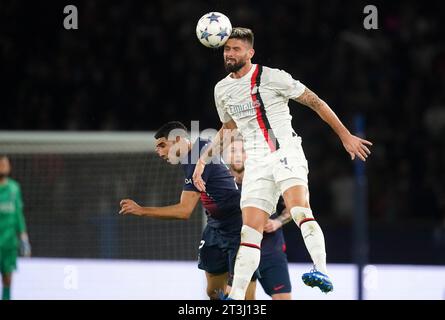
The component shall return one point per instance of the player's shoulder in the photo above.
(13, 185)
(221, 82)
(274, 73)
(219, 86)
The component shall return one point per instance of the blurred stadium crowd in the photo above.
(133, 65)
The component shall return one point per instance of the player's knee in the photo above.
(301, 215)
(254, 217)
(212, 293)
(6, 279)
(251, 236)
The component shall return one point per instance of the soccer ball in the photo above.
(213, 29)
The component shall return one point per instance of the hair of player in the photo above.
(244, 34)
(3, 156)
(237, 137)
(166, 129)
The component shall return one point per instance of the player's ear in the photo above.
(251, 53)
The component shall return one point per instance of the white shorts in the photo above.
(266, 178)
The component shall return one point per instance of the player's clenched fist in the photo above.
(128, 206)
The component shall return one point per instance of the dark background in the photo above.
(133, 65)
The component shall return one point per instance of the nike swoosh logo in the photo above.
(278, 287)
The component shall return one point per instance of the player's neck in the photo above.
(239, 175)
(243, 71)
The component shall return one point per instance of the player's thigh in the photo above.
(8, 260)
(255, 218)
(292, 182)
(291, 175)
(259, 188)
(259, 198)
(296, 196)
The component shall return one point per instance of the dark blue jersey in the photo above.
(222, 197)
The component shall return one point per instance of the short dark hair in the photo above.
(244, 34)
(164, 131)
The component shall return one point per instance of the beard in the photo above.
(234, 67)
(238, 168)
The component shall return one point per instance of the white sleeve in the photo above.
(222, 113)
(287, 86)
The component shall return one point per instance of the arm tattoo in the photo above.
(310, 99)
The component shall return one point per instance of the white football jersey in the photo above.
(258, 103)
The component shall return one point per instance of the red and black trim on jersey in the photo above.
(258, 104)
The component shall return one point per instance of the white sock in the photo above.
(247, 261)
(312, 235)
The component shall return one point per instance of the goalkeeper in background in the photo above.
(12, 226)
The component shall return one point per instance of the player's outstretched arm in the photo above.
(217, 146)
(181, 210)
(354, 145)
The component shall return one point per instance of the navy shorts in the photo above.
(274, 273)
(217, 251)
